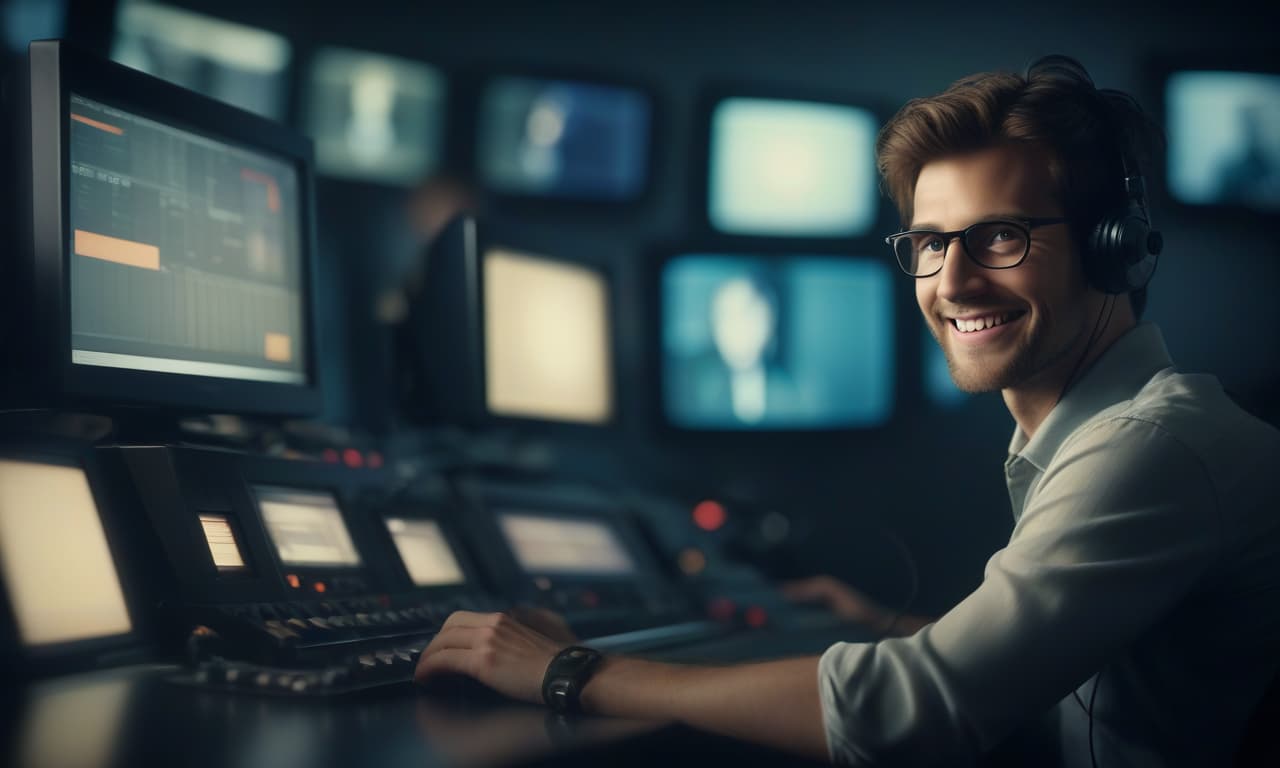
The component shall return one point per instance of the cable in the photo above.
(1097, 682)
(1109, 306)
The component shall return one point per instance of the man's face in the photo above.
(1044, 303)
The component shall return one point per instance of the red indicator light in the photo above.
(755, 617)
(374, 460)
(329, 455)
(293, 580)
(352, 458)
(710, 515)
(319, 586)
(721, 609)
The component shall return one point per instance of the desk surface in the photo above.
(135, 716)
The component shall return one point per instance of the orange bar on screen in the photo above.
(277, 347)
(118, 250)
(109, 128)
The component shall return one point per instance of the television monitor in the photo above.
(234, 63)
(1224, 137)
(374, 117)
(778, 342)
(791, 168)
(544, 543)
(306, 527)
(530, 335)
(171, 256)
(425, 551)
(564, 139)
(58, 570)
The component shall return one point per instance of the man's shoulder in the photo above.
(1187, 414)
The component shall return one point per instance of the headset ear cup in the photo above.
(1123, 253)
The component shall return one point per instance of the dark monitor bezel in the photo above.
(56, 70)
(1167, 206)
(784, 440)
(700, 165)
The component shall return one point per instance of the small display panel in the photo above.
(187, 252)
(554, 138)
(61, 578)
(547, 339)
(306, 527)
(1224, 138)
(221, 539)
(792, 168)
(789, 342)
(375, 117)
(544, 544)
(240, 65)
(425, 552)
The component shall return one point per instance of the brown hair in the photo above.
(1091, 135)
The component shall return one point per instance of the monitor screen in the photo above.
(57, 566)
(306, 527)
(241, 65)
(792, 168)
(1224, 138)
(544, 544)
(375, 117)
(547, 339)
(792, 342)
(425, 552)
(556, 138)
(187, 251)
(221, 539)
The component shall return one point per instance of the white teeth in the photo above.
(981, 323)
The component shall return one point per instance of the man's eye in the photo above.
(1002, 234)
(933, 244)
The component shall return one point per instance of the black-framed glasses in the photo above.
(995, 244)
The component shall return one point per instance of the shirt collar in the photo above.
(1117, 375)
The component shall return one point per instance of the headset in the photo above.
(1123, 249)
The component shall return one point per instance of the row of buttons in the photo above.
(381, 667)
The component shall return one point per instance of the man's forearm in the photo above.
(774, 703)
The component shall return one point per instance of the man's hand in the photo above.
(493, 648)
(851, 605)
(842, 599)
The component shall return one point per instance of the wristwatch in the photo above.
(566, 675)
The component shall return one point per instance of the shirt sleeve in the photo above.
(1122, 524)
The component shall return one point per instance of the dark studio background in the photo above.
(931, 475)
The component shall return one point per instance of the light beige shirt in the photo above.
(1145, 561)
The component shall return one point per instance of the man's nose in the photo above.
(960, 276)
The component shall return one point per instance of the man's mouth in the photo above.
(975, 323)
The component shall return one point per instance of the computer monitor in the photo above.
(503, 332)
(1223, 126)
(791, 168)
(775, 342)
(556, 138)
(374, 117)
(172, 241)
(56, 566)
(235, 63)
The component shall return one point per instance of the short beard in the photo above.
(1029, 361)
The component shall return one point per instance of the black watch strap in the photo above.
(566, 676)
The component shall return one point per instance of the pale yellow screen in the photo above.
(547, 340)
(58, 570)
(425, 552)
(222, 542)
(559, 545)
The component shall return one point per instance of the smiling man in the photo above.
(1134, 617)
